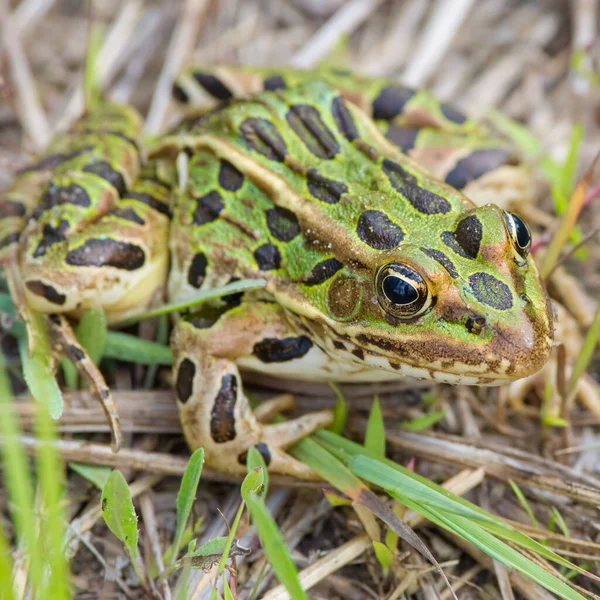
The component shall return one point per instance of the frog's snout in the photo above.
(526, 346)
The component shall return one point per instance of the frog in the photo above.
(375, 266)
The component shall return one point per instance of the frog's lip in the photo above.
(511, 354)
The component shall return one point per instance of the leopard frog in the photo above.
(374, 268)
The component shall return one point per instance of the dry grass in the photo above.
(513, 55)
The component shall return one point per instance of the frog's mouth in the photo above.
(502, 355)
(508, 355)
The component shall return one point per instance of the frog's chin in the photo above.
(510, 353)
(381, 368)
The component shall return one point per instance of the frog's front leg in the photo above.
(215, 413)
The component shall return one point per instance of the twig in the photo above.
(502, 463)
(110, 58)
(343, 22)
(345, 554)
(142, 47)
(149, 516)
(124, 587)
(153, 462)
(562, 259)
(325, 566)
(180, 45)
(436, 37)
(32, 114)
(29, 13)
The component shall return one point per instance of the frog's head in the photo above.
(465, 305)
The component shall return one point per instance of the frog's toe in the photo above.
(267, 409)
(283, 463)
(287, 433)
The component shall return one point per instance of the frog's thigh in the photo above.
(215, 413)
(118, 263)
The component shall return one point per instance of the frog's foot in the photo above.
(62, 334)
(215, 413)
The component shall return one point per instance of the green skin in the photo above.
(302, 189)
(517, 336)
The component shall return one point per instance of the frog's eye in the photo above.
(401, 291)
(519, 233)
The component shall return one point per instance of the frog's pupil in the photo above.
(399, 291)
(521, 232)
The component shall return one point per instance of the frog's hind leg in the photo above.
(215, 413)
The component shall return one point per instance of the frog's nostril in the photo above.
(476, 324)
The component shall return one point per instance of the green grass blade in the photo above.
(7, 305)
(91, 333)
(508, 556)
(587, 351)
(556, 517)
(252, 483)
(375, 433)
(18, 483)
(567, 222)
(37, 369)
(424, 422)
(91, 90)
(383, 555)
(345, 449)
(231, 288)
(529, 145)
(275, 547)
(336, 473)
(563, 178)
(51, 481)
(70, 373)
(198, 558)
(186, 496)
(188, 534)
(379, 473)
(6, 566)
(227, 548)
(183, 582)
(227, 595)
(402, 486)
(162, 337)
(256, 461)
(474, 533)
(96, 474)
(214, 547)
(523, 501)
(131, 348)
(340, 412)
(327, 466)
(120, 517)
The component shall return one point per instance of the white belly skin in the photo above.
(316, 365)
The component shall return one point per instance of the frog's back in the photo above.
(303, 178)
(355, 240)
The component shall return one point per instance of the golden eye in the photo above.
(519, 233)
(402, 291)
